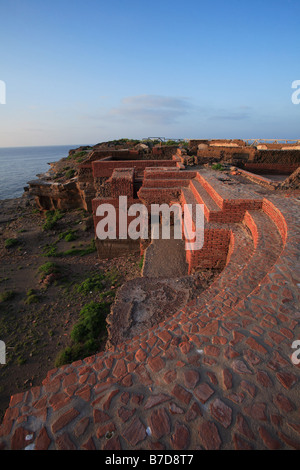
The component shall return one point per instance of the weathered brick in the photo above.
(102, 429)
(203, 392)
(64, 420)
(193, 412)
(269, 441)
(256, 346)
(156, 363)
(155, 400)
(286, 379)
(283, 403)
(64, 442)
(120, 369)
(159, 423)
(181, 437)
(81, 427)
(141, 355)
(209, 436)
(135, 432)
(125, 414)
(191, 378)
(181, 394)
(18, 441)
(227, 379)
(221, 412)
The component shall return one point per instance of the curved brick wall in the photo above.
(216, 375)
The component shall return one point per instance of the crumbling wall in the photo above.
(293, 182)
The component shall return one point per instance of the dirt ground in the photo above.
(36, 331)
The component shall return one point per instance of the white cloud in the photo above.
(151, 109)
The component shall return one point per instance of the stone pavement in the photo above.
(217, 375)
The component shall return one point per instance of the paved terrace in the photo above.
(216, 375)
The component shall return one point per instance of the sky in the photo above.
(88, 71)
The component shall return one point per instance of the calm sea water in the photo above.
(18, 165)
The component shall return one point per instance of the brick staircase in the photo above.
(217, 374)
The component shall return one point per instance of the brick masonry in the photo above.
(216, 375)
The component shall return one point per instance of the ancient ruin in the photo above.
(184, 367)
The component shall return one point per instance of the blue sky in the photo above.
(82, 72)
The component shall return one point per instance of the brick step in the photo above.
(244, 271)
(211, 209)
(227, 194)
(159, 195)
(173, 173)
(165, 183)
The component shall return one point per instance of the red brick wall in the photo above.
(121, 182)
(214, 252)
(277, 217)
(271, 168)
(105, 168)
(114, 202)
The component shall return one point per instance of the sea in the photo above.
(18, 165)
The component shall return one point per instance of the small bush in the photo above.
(91, 284)
(21, 360)
(87, 333)
(81, 251)
(75, 352)
(78, 156)
(217, 166)
(68, 236)
(31, 297)
(112, 276)
(50, 251)
(7, 295)
(51, 219)
(91, 322)
(141, 262)
(10, 242)
(70, 173)
(48, 268)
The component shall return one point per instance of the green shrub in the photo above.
(91, 284)
(78, 156)
(51, 219)
(76, 352)
(50, 251)
(141, 262)
(68, 236)
(48, 268)
(86, 334)
(112, 276)
(70, 173)
(217, 166)
(7, 295)
(91, 322)
(31, 297)
(81, 251)
(10, 242)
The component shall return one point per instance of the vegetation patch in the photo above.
(7, 295)
(48, 268)
(50, 251)
(91, 284)
(10, 242)
(52, 217)
(141, 262)
(218, 167)
(87, 334)
(31, 297)
(91, 248)
(68, 236)
(78, 156)
(70, 173)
